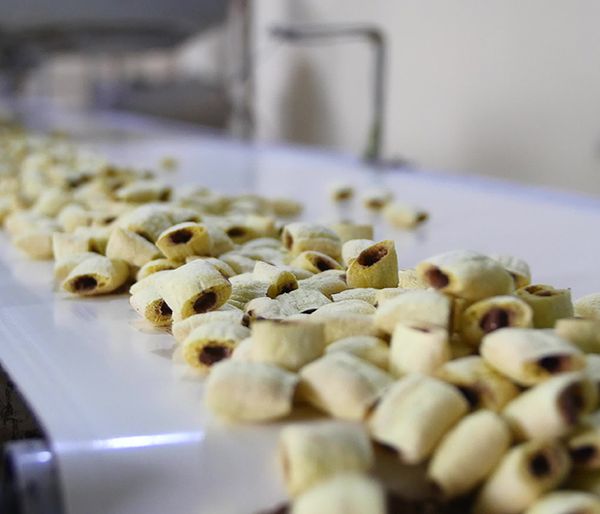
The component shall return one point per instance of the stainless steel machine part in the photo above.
(30, 482)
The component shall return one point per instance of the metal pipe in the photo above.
(375, 37)
(30, 483)
(241, 91)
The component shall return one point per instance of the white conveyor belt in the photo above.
(127, 424)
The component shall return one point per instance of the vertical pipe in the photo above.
(240, 87)
(376, 131)
(375, 37)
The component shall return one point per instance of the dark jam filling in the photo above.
(371, 255)
(288, 288)
(539, 465)
(213, 353)
(181, 236)
(375, 204)
(437, 278)
(584, 454)
(85, 283)
(571, 403)
(494, 319)
(323, 264)
(552, 363)
(343, 195)
(471, 395)
(288, 240)
(205, 302)
(164, 309)
(234, 232)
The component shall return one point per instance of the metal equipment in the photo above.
(33, 29)
(372, 35)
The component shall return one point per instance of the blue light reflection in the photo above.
(142, 441)
(133, 442)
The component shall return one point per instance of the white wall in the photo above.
(509, 88)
